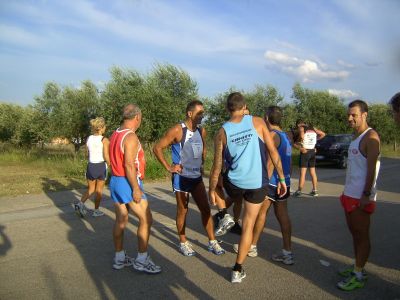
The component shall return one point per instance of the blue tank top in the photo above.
(189, 152)
(285, 153)
(245, 155)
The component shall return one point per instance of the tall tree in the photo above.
(10, 115)
(72, 116)
(320, 109)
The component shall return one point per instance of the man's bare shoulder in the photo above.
(372, 135)
(131, 137)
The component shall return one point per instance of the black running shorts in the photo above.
(307, 160)
(96, 171)
(251, 195)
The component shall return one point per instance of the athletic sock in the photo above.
(120, 255)
(237, 267)
(141, 257)
(359, 275)
(285, 252)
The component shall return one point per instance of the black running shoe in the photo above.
(236, 229)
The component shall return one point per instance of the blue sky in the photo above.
(349, 47)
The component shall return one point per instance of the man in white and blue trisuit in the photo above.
(244, 143)
(187, 141)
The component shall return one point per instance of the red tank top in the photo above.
(117, 154)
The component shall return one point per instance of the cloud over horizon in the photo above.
(343, 93)
(306, 70)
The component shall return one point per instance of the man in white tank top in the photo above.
(359, 195)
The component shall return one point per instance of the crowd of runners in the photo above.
(251, 168)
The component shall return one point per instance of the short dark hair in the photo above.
(299, 121)
(361, 104)
(235, 101)
(192, 104)
(395, 102)
(274, 115)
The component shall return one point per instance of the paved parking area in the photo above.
(47, 252)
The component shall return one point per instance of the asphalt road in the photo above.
(47, 252)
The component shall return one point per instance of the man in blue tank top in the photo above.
(187, 141)
(282, 142)
(244, 143)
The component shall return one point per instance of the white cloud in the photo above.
(343, 93)
(18, 36)
(305, 69)
(345, 64)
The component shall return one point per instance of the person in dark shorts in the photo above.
(244, 143)
(308, 136)
(282, 142)
(96, 172)
(187, 141)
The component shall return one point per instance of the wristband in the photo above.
(282, 180)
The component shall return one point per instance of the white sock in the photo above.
(120, 255)
(285, 252)
(141, 257)
(213, 242)
(359, 275)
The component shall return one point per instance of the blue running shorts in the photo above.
(121, 190)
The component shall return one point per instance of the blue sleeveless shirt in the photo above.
(245, 155)
(285, 153)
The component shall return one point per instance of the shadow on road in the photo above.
(5, 244)
(92, 239)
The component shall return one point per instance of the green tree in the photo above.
(162, 95)
(43, 115)
(26, 133)
(320, 109)
(167, 91)
(125, 86)
(72, 117)
(380, 119)
(260, 98)
(10, 115)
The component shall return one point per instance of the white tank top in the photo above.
(310, 139)
(95, 147)
(357, 171)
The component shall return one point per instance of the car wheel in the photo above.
(343, 162)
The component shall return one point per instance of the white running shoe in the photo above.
(237, 276)
(97, 213)
(287, 259)
(224, 225)
(252, 251)
(186, 249)
(214, 247)
(120, 264)
(147, 266)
